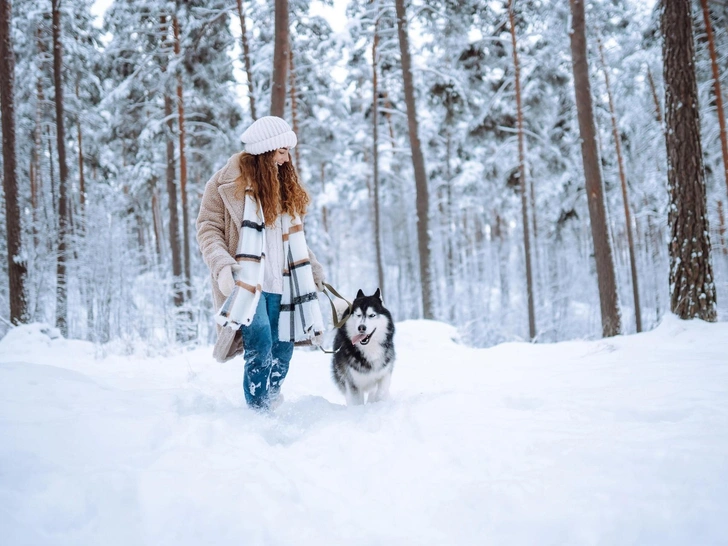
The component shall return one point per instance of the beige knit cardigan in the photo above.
(218, 229)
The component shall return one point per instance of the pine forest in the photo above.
(533, 170)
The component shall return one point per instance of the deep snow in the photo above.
(618, 441)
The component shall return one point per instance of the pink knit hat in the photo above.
(268, 133)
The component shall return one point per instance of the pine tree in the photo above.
(611, 319)
(418, 162)
(692, 289)
(16, 265)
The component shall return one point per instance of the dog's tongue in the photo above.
(357, 338)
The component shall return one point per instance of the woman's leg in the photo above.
(258, 359)
(281, 351)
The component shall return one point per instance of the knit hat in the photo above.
(268, 133)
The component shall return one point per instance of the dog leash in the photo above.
(337, 323)
(328, 290)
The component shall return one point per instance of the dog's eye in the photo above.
(372, 315)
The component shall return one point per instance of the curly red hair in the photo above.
(276, 188)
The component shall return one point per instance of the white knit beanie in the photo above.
(268, 133)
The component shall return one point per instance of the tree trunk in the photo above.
(61, 266)
(172, 192)
(625, 199)
(280, 59)
(606, 278)
(658, 110)
(716, 88)
(722, 228)
(375, 158)
(294, 111)
(418, 163)
(37, 199)
(692, 289)
(52, 173)
(157, 222)
(81, 177)
(182, 164)
(522, 179)
(246, 59)
(17, 268)
(172, 204)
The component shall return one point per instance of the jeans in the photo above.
(266, 358)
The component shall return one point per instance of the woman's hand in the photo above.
(318, 275)
(225, 280)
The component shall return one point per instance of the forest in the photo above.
(532, 170)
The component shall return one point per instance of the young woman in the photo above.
(264, 277)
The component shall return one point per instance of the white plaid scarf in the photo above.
(300, 316)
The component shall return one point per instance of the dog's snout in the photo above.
(362, 328)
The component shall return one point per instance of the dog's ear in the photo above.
(360, 294)
(378, 295)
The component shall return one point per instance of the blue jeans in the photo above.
(266, 358)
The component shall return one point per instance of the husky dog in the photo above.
(364, 351)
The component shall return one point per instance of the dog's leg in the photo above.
(382, 392)
(354, 396)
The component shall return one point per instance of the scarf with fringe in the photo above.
(300, 317)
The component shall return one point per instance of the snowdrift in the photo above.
(617, 441)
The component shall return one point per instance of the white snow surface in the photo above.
(618, 441)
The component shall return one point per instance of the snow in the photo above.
(617, 441)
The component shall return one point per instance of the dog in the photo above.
(364, 351)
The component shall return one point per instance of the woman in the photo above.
(264, 277)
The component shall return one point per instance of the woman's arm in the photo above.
(211, 229)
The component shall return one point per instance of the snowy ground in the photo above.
(621, 441)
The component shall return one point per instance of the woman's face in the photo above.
(281, 156)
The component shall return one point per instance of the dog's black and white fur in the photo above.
(364, 351)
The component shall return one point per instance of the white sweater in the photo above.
(273, 278)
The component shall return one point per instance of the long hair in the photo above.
(276, 189)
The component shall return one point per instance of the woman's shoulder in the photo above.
(230, 172)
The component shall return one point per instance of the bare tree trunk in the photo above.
(522, 179)
(722, 228)
(17, 268)
(606, 278)
(172, 203)
(157, 222)
(294, 111)
(375, 159)
(625, 198)
(86, 288)
(280, 59)
(655, 244)
(52, 173)
(36, 163)
(81, 177)
(172, 192)
(182, 165)
(418, 163)
(658, 110)
(716, 88)
(691, 274)
(61, 266)
(500, 235)
(246, 58)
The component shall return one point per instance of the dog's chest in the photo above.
(374, 354)
(366, 380)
